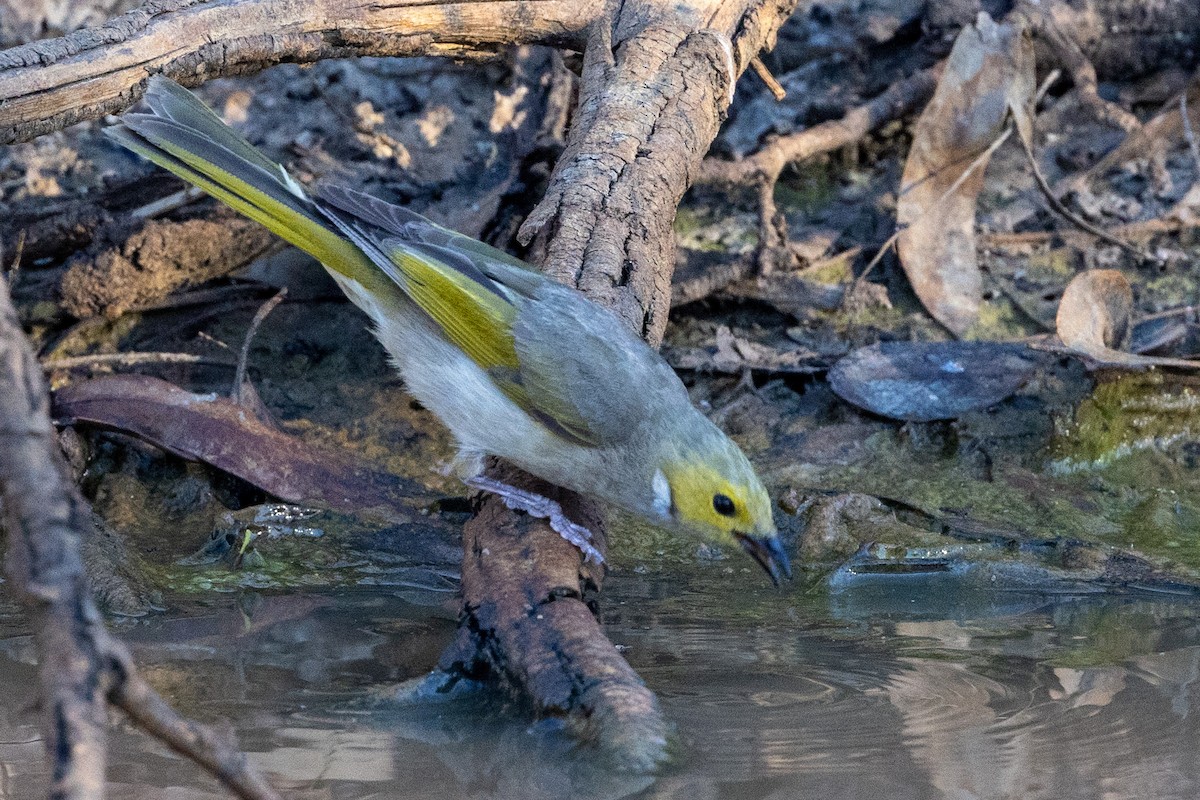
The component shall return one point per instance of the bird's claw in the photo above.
(544, 508)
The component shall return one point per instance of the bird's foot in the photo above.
(544, 508)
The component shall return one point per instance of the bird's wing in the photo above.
(474, 312)
(616, 385)
(561, 358)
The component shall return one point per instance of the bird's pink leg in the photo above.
(542, 507)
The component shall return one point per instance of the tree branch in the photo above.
(82, 668)
(656, 84)
(50, 84)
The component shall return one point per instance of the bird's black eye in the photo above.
(723, 505)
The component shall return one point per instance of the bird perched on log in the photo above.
(515, 365)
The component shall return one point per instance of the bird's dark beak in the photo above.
(769, 553)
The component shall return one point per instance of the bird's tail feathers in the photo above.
(185, 137)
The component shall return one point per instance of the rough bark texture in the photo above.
(528, 623)
(43, 517)
(164, 256)
(81, 667)
(50, 84)
(655, 90)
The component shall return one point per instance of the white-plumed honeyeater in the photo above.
(513, 363)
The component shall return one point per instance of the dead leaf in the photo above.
(1095, 312)
(1095, 319)
(989, 75)
(219, 432)
(924, 381)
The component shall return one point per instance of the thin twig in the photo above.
(16, 261)
(239, 377)
(1149, 227)
(768, 162)
(1079, 67)
(982, 158)
(1181, 311)
(204, 297)
(208, 337)
(128, 360)
(760, 69)
(1074, 218)
(195, 741)
(167, 204)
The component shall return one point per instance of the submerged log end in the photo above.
(528, 626)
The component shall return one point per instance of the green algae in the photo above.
(835, 271)
(809, 188)
(1141, 497)
(1126, 413)
(1000, 320)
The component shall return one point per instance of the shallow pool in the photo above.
(898, 688)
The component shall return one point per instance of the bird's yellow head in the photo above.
(713, 490)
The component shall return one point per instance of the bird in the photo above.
(516, 365)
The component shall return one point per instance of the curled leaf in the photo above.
(222, 433)
(1095, 319)
(1095, 312)
(989, 75)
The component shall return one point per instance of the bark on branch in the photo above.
(655, 90)
(50, 84)
(82, 668)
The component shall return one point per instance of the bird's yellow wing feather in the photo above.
(478, 321)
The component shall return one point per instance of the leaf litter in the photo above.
(754, 347)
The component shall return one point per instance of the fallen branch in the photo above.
(47, 85)
(82, 668)
(762, 170)
(901, 98)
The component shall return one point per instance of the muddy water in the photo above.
(901, 688)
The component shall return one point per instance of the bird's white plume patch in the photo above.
(662, 494)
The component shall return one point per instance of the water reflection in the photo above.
(856, 696)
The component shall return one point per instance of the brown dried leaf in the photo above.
(989, 75)
(222, 433)
(1095, 318)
